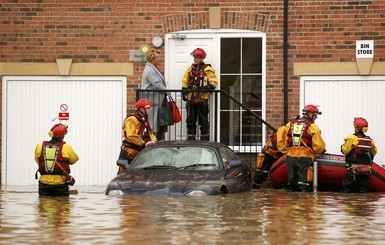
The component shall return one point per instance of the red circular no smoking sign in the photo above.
(63, 107)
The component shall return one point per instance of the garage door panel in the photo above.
(96, 106)
(341, 99)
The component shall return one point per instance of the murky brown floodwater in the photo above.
(264, 216)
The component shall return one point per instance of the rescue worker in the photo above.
(137, 134)
(303, 142)
(266, 158)
(360, 151)
(54, 158)
(198, 76)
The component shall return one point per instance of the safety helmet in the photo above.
(142, 103)
(58, 130)
(361, 124)
(311, 108)
(198, 52)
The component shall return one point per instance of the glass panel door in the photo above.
(241, 76)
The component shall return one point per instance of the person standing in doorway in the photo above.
(153, 79)
(360, 151)
(303, 141)
(54, 158)
(137, 134)
(198, 76)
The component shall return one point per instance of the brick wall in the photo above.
(105, 31)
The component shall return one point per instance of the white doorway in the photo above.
(178, 49)
(178, 59)
(179, 45)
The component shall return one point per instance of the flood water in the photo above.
(265, 216)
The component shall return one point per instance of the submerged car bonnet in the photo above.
(177, 182)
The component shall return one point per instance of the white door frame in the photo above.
(214, 59)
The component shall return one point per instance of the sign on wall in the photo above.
(364, 49)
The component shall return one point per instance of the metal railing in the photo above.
(231, 122)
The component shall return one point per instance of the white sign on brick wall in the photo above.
(364, 49)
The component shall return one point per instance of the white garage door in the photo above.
(340, 100)
(96, 107)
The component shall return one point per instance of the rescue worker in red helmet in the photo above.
(266, 158)
(360, 151)
(137, 134)
(54, 158)
(198, 76)
(301, 140)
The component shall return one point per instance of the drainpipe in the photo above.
(285, 51)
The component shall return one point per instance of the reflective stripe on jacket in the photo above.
(359, 149)
(66, 152)
(197, 76)
(51, 154)
(298, 132)
(317, 143)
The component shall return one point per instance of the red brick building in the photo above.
(99, 38)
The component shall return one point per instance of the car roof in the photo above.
(190, 143)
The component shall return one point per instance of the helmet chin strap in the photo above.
(310, 117)
(142, 112)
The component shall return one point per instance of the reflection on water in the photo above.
(264, 216)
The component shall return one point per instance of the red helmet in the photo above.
(142, 103)
(311, 108)
(58, 130)
(361, 124)
(198, 52)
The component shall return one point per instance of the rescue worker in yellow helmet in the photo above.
(198, 76)
(54, 158)
(137, 134)
(301, 140)
(360, 151)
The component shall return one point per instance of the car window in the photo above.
(178, 157)
(227, 155)
(154, 156)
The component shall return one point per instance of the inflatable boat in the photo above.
(331, 172)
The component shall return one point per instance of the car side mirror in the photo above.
(234, 164)
(122, 163)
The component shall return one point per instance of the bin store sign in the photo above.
(364, 49)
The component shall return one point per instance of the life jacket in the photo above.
(144, 130)
(361, 154)
(270, 147)
(298, 135)
(51, 154)
(197, 76)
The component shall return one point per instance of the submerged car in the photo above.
(183, 168)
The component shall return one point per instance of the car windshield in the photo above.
(194, 158)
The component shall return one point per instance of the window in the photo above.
(197, 158)
(227, 155)
(241, 68)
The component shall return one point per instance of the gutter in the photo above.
(285, 60)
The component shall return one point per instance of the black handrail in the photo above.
(248, 110)
(237, 125)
